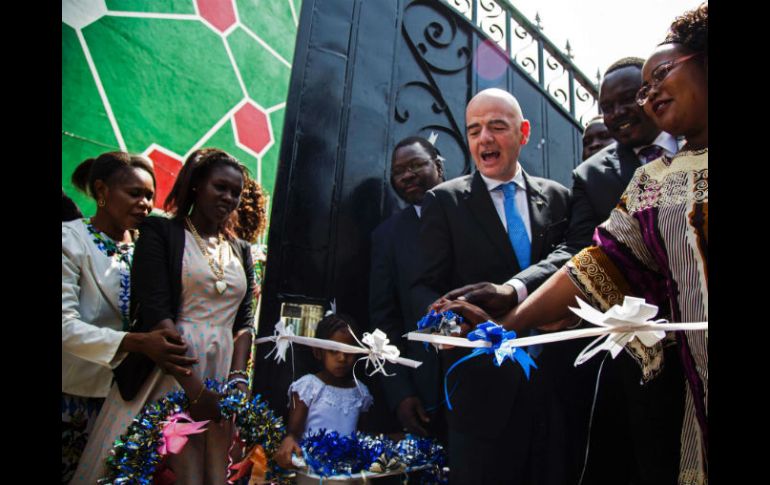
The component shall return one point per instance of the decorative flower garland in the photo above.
(135, 457)
(123, 255)
(330, 454)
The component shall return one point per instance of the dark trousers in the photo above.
(636, 434)
(530, 450)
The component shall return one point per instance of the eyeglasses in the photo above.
(413, 167)
(658, 75)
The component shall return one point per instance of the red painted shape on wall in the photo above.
(219, 13)
(252, 128)
(166, 169)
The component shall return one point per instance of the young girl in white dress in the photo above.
(330, 399)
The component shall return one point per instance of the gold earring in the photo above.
(101, 203)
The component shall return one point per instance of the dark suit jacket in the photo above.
(394, 267)
(597, 185)
(463, 241)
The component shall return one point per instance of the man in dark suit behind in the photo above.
(416, 167)
(470, 226)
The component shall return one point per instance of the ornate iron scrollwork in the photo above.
(527, 62)
(440, 51)
(440, 34)
(438, 106)
(491, 22)
(558, 92)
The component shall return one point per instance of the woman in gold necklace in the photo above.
(190, 273)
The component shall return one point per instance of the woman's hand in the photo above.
(283, 455)
(206, 406)
(164, 346)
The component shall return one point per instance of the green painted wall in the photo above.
(170, 76)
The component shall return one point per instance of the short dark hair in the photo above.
(409, 140)
(106, 167)
(625, 62)
(195, 170)
(435, 155)
(69, 209)
(334, 322)
(691, 29)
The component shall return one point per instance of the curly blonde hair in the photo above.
(252, 211)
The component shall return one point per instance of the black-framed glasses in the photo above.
(414, 167)
(657, 76)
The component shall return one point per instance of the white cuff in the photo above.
(521, 289)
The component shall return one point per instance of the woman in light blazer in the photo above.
(96, 263)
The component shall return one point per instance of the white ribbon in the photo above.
(620, 324)
(375, 346)
(282, 336)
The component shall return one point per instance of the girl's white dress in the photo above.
(329, 407)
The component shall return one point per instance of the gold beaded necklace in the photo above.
(219, 270)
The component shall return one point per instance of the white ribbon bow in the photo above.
(634, 315)
(379, 351)
(282, 336)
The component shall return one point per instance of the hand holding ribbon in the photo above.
(619, 324)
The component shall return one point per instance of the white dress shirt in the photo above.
(522, 206)
(91, 324)
(667, 142)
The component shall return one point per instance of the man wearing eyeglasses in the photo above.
(498, 224)
(416, 167)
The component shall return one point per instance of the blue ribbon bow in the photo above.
(501, 348)
(443, 323)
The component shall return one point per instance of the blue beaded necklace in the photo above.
(123, 254)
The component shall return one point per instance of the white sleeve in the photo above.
(81, 339)
(521, 289)
(307, 388)
(366, 399)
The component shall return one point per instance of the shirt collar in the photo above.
(418, 210)
(517, 179)
(663, 140)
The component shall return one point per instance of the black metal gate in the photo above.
(366, 74)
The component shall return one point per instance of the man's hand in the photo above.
(494, 299)
(470, 313)
(411, 414)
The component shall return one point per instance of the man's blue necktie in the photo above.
(517, 232)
